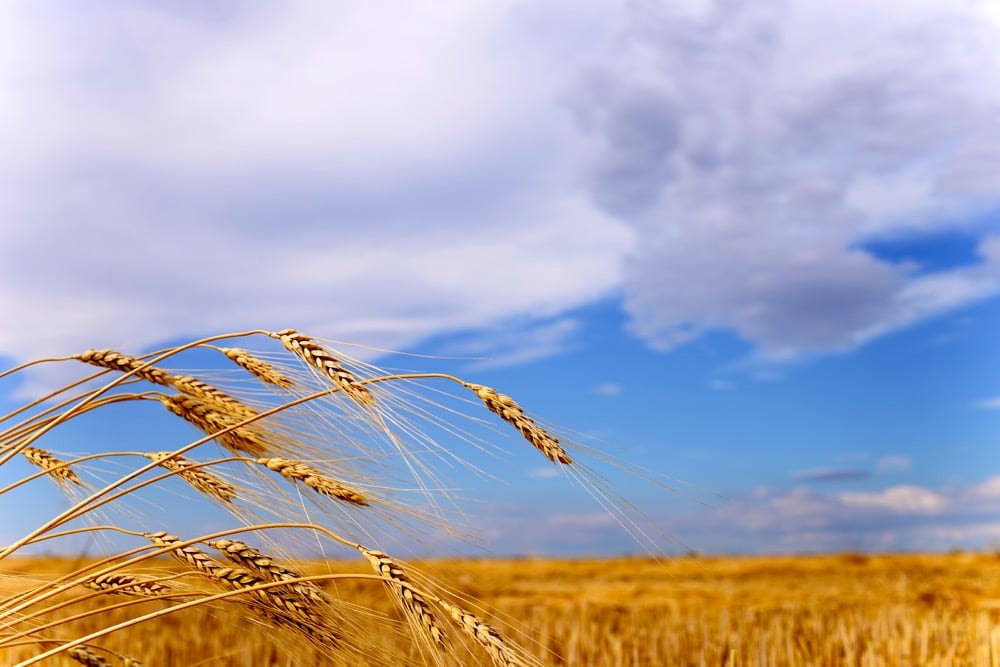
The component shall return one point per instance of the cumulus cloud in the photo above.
(896, 500)
(759, 148)
(362, 171)
(768, 520)
(376, 172)
(900, 517)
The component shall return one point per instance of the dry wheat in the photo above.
(402, 587)
(195, 475)
(50, 464)
(208, 417)
(260, 369)
(126, 364)
(282, 608)
(320, 358)
(484, 634)
(85, 656)
(127, 584)
(252, 559)
(314, 479)
(507, 409)
(209, 394)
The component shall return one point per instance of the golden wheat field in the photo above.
(307, 450)
(817, 610)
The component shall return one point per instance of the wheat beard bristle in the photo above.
(484, 634)
(507, 409)
(314, 479)
(85, 656)
(127, 584)
(207, 417)
(402, 588)
(197, 477)
(49, 464)
(122, 362)
(260, 369)
(319, 357)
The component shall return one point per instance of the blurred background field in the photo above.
(828, 610)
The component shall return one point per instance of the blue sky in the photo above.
(754, 244)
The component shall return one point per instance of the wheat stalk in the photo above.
(208, 417)
(85, 656)
(197, 389)
(280, 607)
(319, 357)
(260, 369)
(117, 361)
(412, 601)
(507, 409)
(314, 479)
(484, 634)
(252, 559)
(280, 596)
(195, 475)
(50, 464)
(127, 584)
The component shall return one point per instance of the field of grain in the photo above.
(304, 448)
(725, 611)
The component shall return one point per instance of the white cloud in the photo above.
(988, 490)
(361, 171)
(609, 389)
(991, 403)
(385, 173)
(892, 463)
(756, 147)
(896, 500)
(902, 517)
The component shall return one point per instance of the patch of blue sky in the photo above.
(935, 250)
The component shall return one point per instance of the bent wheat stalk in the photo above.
(334, 448)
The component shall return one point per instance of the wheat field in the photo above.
(302, 448)
(850, 610)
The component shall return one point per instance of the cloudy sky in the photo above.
(756, 244)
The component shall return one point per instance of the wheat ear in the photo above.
(85, 656)
(196, 476)
(209, 394)
(320, 358)
(127, 584)
(260, 369)
(507, 409)
(57, 468)
(279, 607)
(117, 361)
(484, 634)
(252, 559)
(413, 602)
(210, 418)
(314, 479)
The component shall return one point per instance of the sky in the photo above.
(754, 245)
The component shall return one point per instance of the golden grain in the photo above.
(314, 479)
(323, 360)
